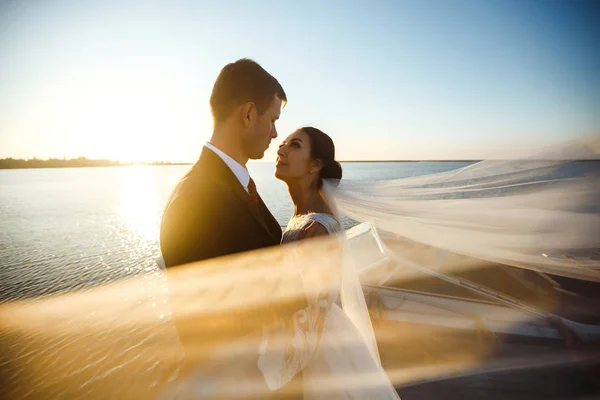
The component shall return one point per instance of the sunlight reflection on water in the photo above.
(140, 206)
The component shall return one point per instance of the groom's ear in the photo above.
(248, 111)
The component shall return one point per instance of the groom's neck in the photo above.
(227, 141)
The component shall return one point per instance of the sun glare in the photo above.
(140, 201)
(131, 113)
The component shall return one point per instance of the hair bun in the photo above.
(332, 170)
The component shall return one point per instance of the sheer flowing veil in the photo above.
(351, 293)
(539, 212)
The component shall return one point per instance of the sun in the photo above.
(129, 114)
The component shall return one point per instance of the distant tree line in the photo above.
(17, 163)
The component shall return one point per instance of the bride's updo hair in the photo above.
(322, 148)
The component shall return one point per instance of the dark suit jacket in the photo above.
(209, 214)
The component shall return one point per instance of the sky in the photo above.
(446, 79)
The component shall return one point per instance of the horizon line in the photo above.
(113, 161)
(180, 162)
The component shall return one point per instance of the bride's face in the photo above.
(294, 161)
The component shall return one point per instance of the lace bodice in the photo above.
(287, 348)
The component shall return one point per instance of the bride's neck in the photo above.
(306, 199)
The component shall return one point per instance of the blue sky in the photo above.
(387, 79)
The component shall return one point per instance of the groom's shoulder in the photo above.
(201, 181)
(207, 170)
(195, 182)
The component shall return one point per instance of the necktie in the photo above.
(252, 192)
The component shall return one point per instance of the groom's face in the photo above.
(260, 130)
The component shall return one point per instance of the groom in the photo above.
(215, 209)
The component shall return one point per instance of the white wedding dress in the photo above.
(323, 342)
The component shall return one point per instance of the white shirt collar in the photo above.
(240, 172)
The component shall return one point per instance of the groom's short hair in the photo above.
(241, 82)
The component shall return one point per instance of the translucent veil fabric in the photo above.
(539, 212)
(351, 293)
(191, 332)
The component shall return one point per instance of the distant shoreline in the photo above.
(82, 162)
(103, 166)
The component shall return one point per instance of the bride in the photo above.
(321, 347)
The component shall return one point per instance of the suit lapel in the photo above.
(270, 220)
(224, 175)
